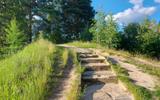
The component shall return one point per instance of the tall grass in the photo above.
(75, 90)
(84, 44)
(65, 55)
(24, 76)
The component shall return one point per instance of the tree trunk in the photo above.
(30, 22)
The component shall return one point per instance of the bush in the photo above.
(105, 32)
(142, 38)
(129, 37)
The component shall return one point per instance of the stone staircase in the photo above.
(100, 82)
(97, 69)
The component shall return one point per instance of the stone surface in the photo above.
(111, 91)
(96, 66)
(92, 60)
(137, 75)
(88, 55)
(99, 76)
(100, 95)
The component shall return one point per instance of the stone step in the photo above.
(123, 97)
(99, 76)
(84, 53)
(96, 66)
(88, 56)
(92, 60)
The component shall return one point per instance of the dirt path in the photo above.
(137, 75)
(64, 84)
(101, 83)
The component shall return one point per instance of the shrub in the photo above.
(105, 32)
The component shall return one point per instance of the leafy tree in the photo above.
(112, 38)
(143, 38)
(149, 38)
(86, 35)
(105, 32)
(129, 37)
(77, 15)
(98, 27)
(15, 39)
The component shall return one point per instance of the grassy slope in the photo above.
(139, 92)
(27, 74)
(84, 44)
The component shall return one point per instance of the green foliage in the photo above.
(143, 38)
(77, 15)
(98, 27)
(105, 32)
(86, 35)
(24, 76)
(75, 90)
(129, 37)
(15, 39)
(68, 20)
(65, 56)
(157, 92)
(149, 39)
(2, 45)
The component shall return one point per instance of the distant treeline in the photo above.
(143, 37)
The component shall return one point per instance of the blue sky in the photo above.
(126, 11)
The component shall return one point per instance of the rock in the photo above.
(100, 95)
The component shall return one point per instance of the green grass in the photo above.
(74, 93)
(84, 44)
(65, 57)
(28, 75)
(24, 75)
(157, 93)
(139, 93)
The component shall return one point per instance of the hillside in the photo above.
(79, 50)
(139, 74)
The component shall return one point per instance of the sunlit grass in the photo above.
(24, 76)
(84, 44)
(75, 90)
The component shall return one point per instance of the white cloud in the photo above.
(135, 14)
(136, 2)
(157, 1)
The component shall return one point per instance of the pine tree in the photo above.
(77, 15)
(15, 39)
